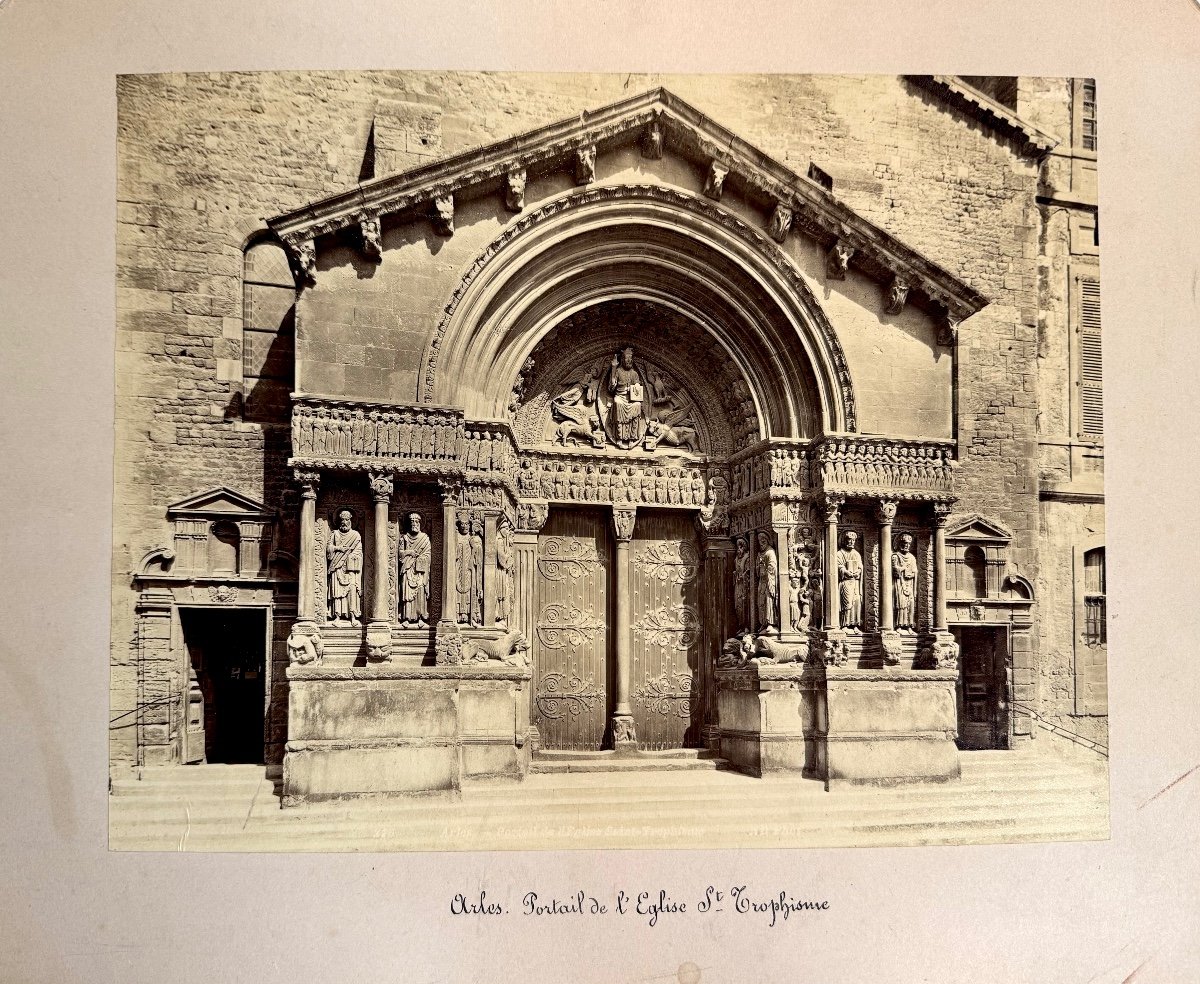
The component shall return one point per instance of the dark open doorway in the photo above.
(982, 686)
(227, 653)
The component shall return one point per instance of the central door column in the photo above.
(624, 735)
(379, 629)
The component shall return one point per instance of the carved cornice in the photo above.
(953, 90)
(575, 143)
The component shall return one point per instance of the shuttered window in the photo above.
(1091, 361)
(1088, 114)
(1095, 626)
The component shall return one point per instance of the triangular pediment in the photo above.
(216, 500)
(663, 124)
(976, 527)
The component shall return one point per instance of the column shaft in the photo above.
(449, 569)
(379, 586)
(305, 601)
(624, 733)
(832, 595)
(886, 612)
(939, 572)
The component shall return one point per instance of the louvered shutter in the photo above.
(1091, 361)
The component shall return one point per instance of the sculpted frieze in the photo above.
(331, 434)
(580, 478)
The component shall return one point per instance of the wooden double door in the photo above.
(575, 649)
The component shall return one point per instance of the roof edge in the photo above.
(1030, 140)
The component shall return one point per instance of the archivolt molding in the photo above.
(824, 350)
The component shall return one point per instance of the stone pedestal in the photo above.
(839, 724)
(386, 730)
(890, 726)
(769, 718)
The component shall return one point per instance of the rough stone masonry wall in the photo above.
(202, 159)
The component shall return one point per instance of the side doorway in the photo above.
(982, 686)
(225, 652)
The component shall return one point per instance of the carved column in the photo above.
(833, 506)
(889, 639)
(939, 649)
(624, 736)
(830, 642)
(447, 644)
(304, 641)
(779, 540)
(531, 517)
(941, 512)
(379, 628)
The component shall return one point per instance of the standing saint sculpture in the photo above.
(850, 572)
(505, 578)
(414, 556)
(344, 557)
(904, 583)
(741, 585)
(476, 571)
(768, 585)
(464, 570)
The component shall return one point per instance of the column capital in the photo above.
(381, 485)
(832, 504)
(623, 522)
(885, 511)
(941, 513)
(308, 481)
(451, 490)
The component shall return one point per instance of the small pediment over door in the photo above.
(220, 500)
(978, 529)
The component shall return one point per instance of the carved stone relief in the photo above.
(850, 581)
(344, 567)
(714, 181)
(443, 215)
(514, 189)
(585, 165)
(414, 561)
(904, 576)
(767, 583)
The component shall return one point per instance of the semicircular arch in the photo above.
(659, 245)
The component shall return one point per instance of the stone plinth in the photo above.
(890, 725)
(381, 730)
(769, 718)
(838, 724)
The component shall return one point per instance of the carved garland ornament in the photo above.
(670, 196)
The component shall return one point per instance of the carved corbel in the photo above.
(303, 254)
(948, 329)
(514, 189)
(652, 141)
(443, 214)
(781, 222)
(897, 295)
(368, 225)
(714, 183)
(585, 165)
(623, 522)
(837, 260)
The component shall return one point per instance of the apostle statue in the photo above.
(464, 570)
(741, 585)
(476, 571)
(768, 584)
(344, 557)
(414, 555)
(850, 572)
(904, 583)
(505, 579)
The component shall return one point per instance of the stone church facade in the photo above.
(466, 420)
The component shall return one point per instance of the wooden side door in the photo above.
(981, 686)
(666, 630)
(571, 637)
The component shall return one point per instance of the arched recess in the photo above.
(654, 244)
